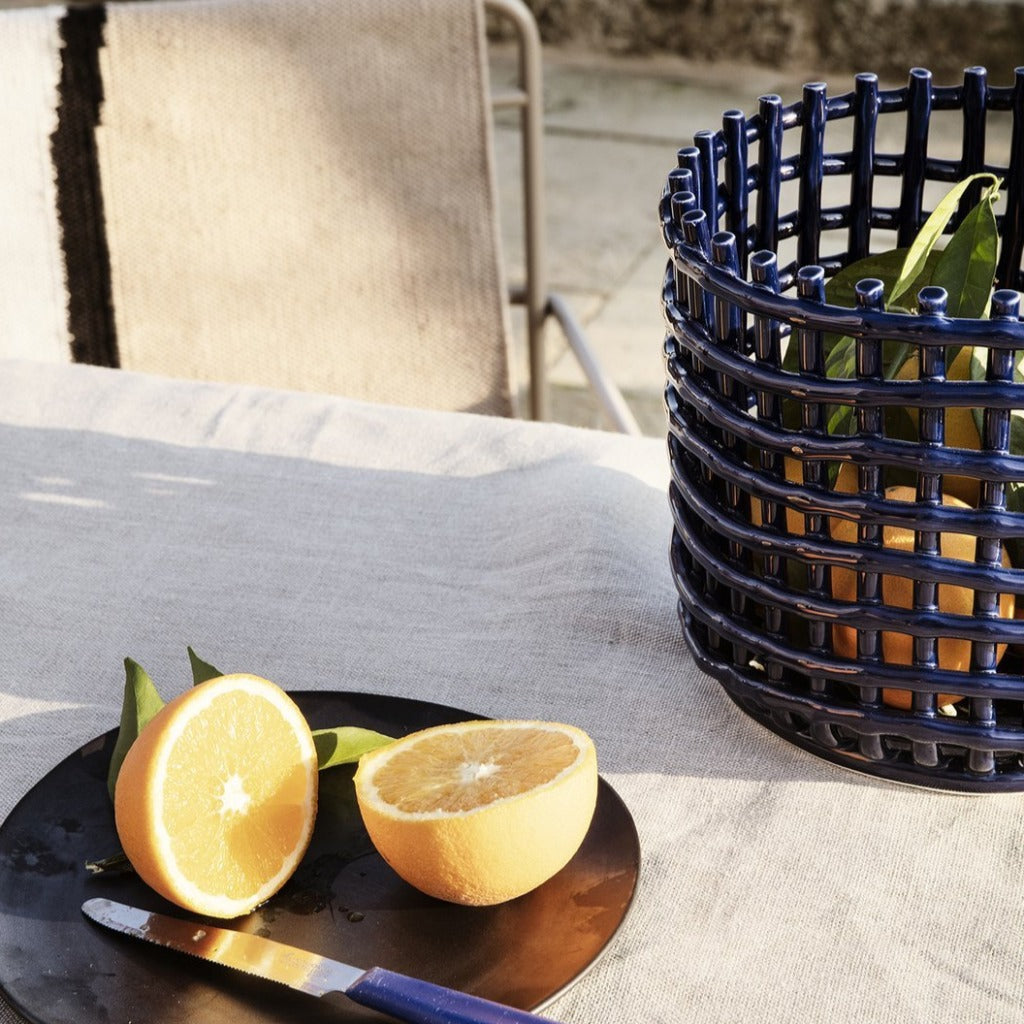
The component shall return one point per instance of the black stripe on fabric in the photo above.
(79, 189)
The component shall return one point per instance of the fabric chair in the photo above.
(295, 193)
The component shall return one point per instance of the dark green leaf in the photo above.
(978, 371)
(977, 366)
(840, 420)
(967, 266)
(791, 414)
(931, 231)
(346, 744)
(901, 425)
(897, 354)
(791, 357)
(842, 359)
(1015, 498)
(1016, 432)
(201, 670)
(141, 702)
(886, 266)
(1015, 503)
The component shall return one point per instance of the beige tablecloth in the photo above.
(520, 570)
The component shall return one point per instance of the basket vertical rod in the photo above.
(932, 301)
(931, 431)
(687, 291)
(862, 173)
(1011, 251)
(688, 159)
(724, 254)
(697, 236)
(769, 166)
(678, 357)
(675, 204)
(915, 153)
(870, 418)
(972, 158)
(734, 136)
(869, 294)
(812, 162)
(681, 203)
(764, 271)
(810, 283)
(728, 324)
(707, 172)
(680, 182)
(699, 302)
(995, 437)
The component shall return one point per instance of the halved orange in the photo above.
(216, 800)
(480, 812)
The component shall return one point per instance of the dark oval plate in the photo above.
(343, 902)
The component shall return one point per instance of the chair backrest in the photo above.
(298, 193)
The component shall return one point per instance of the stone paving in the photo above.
(612, 128)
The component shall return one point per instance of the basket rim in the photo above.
(809, 314)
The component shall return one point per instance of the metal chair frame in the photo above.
(533, 295)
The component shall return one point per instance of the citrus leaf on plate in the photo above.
(141, 702)
(201, 670)
(346, 744)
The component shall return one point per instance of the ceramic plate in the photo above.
(343, 902)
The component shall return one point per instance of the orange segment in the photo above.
(480, 812)
(216, 799)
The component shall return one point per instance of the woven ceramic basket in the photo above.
(822, 577)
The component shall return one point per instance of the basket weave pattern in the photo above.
(753, 491)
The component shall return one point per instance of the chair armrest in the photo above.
(607, 392)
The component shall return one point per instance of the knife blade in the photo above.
(405, 998)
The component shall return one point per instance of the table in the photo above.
(520, 570)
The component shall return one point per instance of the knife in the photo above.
(405, 998)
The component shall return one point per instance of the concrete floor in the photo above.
(612, 128)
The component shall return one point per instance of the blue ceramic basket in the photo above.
(764, 532)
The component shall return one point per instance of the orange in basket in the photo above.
(898, 591)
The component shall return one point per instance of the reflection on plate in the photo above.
(343, 902)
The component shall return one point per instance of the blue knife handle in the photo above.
(420, 1002)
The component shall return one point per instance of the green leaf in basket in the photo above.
(885, 266)
(978, 371)
(201, 670)
(966, 267)
(1017, 435)
(840, 420)
(901, 425)
(1015, 503)
(896, 355)
(346, 744)
(841, 361)
(931, 231)
(141, 702)
(791, 357)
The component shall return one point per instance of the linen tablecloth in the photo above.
(520, 570)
